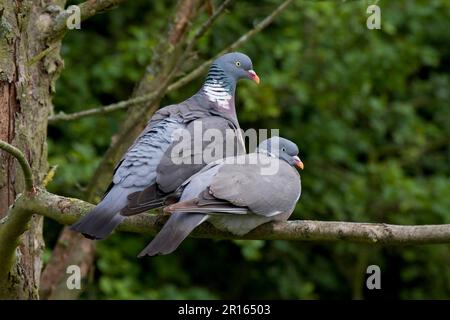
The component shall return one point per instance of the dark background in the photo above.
(370, 110)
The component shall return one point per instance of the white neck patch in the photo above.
(216, 93)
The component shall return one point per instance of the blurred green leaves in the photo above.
(369, 109)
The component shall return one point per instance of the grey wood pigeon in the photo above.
(147, 173)
(235, 196)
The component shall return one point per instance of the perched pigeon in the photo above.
(147, 172)
(235, 196)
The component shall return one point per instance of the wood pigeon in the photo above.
(235, 194)
(147, 172)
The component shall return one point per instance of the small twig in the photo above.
(189, 47)
(16, 153)
(180, 82)
(87, 9)
(164, 87)
(49, 176)
(157, 77)
(41, 55)
(208, 23)
(11, 228)
(68, 210)
(205, 65)
(61, 116)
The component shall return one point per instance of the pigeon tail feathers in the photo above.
(105, 217)
(176, 229)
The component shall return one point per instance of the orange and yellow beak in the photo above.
(252, 74)
(298, 163)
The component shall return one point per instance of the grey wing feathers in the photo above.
(135, 171)
(143, 200)
(138, 166)
(196, 197)
(229, 188)
(170, 175)
(264, 194)
(205, 203)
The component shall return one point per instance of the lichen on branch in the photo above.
(68, 210)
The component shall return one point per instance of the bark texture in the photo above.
(26, 86)
(155, 79)
(67, 210)
(73, 248)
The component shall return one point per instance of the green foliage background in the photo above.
(369, 109)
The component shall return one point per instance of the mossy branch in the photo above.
(68, 210)
(15, 223)
(16, 153)
(11, 229)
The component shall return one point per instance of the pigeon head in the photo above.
(283, 149)
(220, 83)
(237, 66)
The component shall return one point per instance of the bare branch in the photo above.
(49, 176)
(68, 210)
(244, 38)
(207, 24)
(77, 249)
(16, 221)
(182, 81)
(42, 54)
(93, 7)
(11, 228)
(155, 80)
(147, 97)
(61, 116)
(16, 153)
(88, 9)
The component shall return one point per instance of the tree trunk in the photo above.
(26, 87)
(73, 248)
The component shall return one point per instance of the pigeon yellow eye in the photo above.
(238, 63)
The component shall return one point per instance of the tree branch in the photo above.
(16, 221)
(73, 248)
(68, 210)
(16, 153)
(61, 116)
(182, 81)
(11, 228)
(159, 72)
(207, 24)
(244, 38)
(88, 9)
